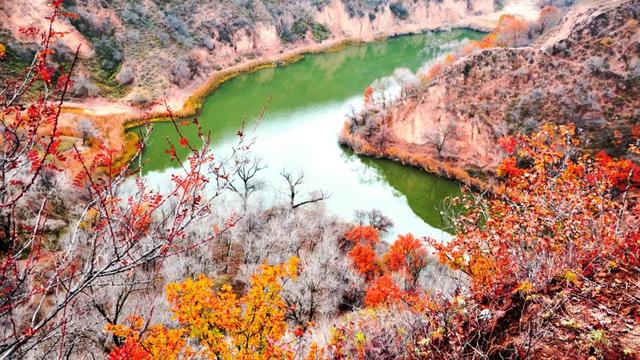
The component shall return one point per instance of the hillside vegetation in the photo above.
(585, 71)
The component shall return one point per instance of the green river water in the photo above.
(299, 132)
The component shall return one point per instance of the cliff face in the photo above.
(585, 71)
(144, 50)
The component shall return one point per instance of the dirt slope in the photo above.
(586, 71)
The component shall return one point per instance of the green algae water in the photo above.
(309, 101)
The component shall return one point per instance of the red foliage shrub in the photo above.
(363, 233)
(407, 255)
(365, 260)
(563, 211)
(382, 291)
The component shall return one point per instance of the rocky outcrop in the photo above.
(585, 71)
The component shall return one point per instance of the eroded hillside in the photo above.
(141, 51)
(585, 71)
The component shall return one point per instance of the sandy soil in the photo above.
(23, 14)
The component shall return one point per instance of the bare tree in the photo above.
(375, 218)
(326, 276)
(246, 171)
(381, 137)
(87, 130)
(441, 137)
(293, 190)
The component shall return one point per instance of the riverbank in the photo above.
(113, 120)
(421, 157)
(189, 101)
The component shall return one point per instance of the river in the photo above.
(309, 102)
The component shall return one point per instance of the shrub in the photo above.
(300, 28)
(109, 55)
(319, 32)
(555, 187)
(399, 10)
(139, 98)
(179, 30)
(84, 87)
(225, 35)
(596, 64)
(183, 71)
(125, 76)
(286, 36)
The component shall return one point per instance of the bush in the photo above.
(224, 35)
(184, 70)
(399, 11)
(125, 76)
(359, 8)
(300, 27)
(286, 36)
(109, 54)
(136, 15)
(85, 26)
(319, 32)
(84, 87)
(596, 64)
(139, 98)
(179, 30)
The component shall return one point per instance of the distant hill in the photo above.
(585, 71)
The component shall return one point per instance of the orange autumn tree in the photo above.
(364, 258)
(560, 211)
(510, 30)
(383, 291)
(223, 325)
(408, 256)
(404, 261)
(363, 233)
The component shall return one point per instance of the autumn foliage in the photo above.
(363, 234)
(560, 210)
(382, 291)
(225, 325)
(510, 31)
(558, 216)
(394, 275)
(407, 256)
(364, 260)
